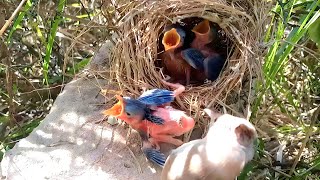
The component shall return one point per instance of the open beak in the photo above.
(202, 28)
(117, 109)
(171, 39)
(203, 31)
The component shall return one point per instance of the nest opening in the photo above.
(220, 43)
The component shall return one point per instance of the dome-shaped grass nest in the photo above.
(133, 61)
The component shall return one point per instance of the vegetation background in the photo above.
(47, 43)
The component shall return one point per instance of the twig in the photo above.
(131, 153)
(5, 26)
(272, 168)
(9, 87)
(279, 158)
(304, 143)
(41, 89)
(7, 61)
(85, 9)
(136, 160)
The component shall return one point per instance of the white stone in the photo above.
(69, 145)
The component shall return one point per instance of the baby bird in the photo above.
(155, 121)
(204, 34)
(204, 58)
(169, 124)
(178, 67)
(221, 155)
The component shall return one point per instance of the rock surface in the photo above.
(72, 143)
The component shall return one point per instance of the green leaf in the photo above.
(25, 130)
(55, 79)
(1, 154)
(314, 32)
(77, 67)
(247, 168)
(4, 119)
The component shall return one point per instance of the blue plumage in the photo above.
(156, 97)
(154, 119)
(155, 156)
(138, 110)
(213, 66)
(193, 57)
(151, 154)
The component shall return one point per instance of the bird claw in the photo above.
(167, 77)
(154, 143)
(178, 87)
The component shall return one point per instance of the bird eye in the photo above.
(128, 114)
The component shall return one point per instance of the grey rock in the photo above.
(68, 144)
(100, 61)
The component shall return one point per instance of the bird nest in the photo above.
(133, 60)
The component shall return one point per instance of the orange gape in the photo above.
(176, 66)
(203, 36)
(195, 63)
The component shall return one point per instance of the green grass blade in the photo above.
(35, 26)
(18, 20)
(269, 30)
(52, 35)
(293, 38)
(278, 54)
(314, 165)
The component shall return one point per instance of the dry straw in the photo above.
(132, 60)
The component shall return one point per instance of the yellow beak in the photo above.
(171, 39)
(117, 109)
(202, 28)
